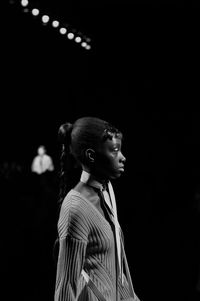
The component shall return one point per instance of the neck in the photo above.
(92, 180)
(91, 175)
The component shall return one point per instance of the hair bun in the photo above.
(64, 132)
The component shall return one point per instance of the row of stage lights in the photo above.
(84, 42)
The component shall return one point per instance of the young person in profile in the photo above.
(91, 262)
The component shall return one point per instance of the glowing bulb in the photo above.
(55, 24)
(24, 3)
(45, 19)
(88, 47)
(35, 12)
(83, 44)
(70, 35)
(63, 30)
(78, 39)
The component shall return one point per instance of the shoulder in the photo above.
(80, 204)
(76, 203)
(35, 159)
(86, 192)
(47, 157)
(74, 216)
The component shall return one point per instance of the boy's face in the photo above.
(41, 151)
(109, 160)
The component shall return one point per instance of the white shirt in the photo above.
(41, 164)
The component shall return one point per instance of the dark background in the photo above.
(141, 74)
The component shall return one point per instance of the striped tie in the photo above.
(109, 198)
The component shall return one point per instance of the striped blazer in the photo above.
(86, 241)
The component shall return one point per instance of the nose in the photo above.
(123, 159)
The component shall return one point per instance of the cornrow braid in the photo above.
(62, 175)
(69, 172)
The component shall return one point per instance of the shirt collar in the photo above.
(90, 180)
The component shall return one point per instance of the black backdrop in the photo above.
(142, 75)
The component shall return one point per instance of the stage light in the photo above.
(83, 44)
(45, 18)
(55, 24)
(70, 35)
(73, 34)
(26, 10)
(24, 3)
(88, 40)
(77, 39)
(88, 47)
(63, 30)
(35, 12)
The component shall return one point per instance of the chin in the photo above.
(115, 176)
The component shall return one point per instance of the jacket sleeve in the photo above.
(69, 267)
(123, 285)
(73, 238)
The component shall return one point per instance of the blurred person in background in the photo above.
(42, 162)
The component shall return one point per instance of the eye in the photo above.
(116, 149)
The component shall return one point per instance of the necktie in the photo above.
(109, 198)
(41, 165)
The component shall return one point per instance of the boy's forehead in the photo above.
(41, 148)
(116, 140)
(113, 141)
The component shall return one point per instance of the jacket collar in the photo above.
(90, 180)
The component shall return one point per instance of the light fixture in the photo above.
(78, 39)
(45, 19)
(35, 12)
(75, 35)
(24, 3)
(70, 35)
(63, 30)
(55, 23)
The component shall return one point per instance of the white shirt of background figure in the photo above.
(42, 162)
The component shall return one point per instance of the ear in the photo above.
(90, 155)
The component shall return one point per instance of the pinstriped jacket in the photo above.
(86, 241)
